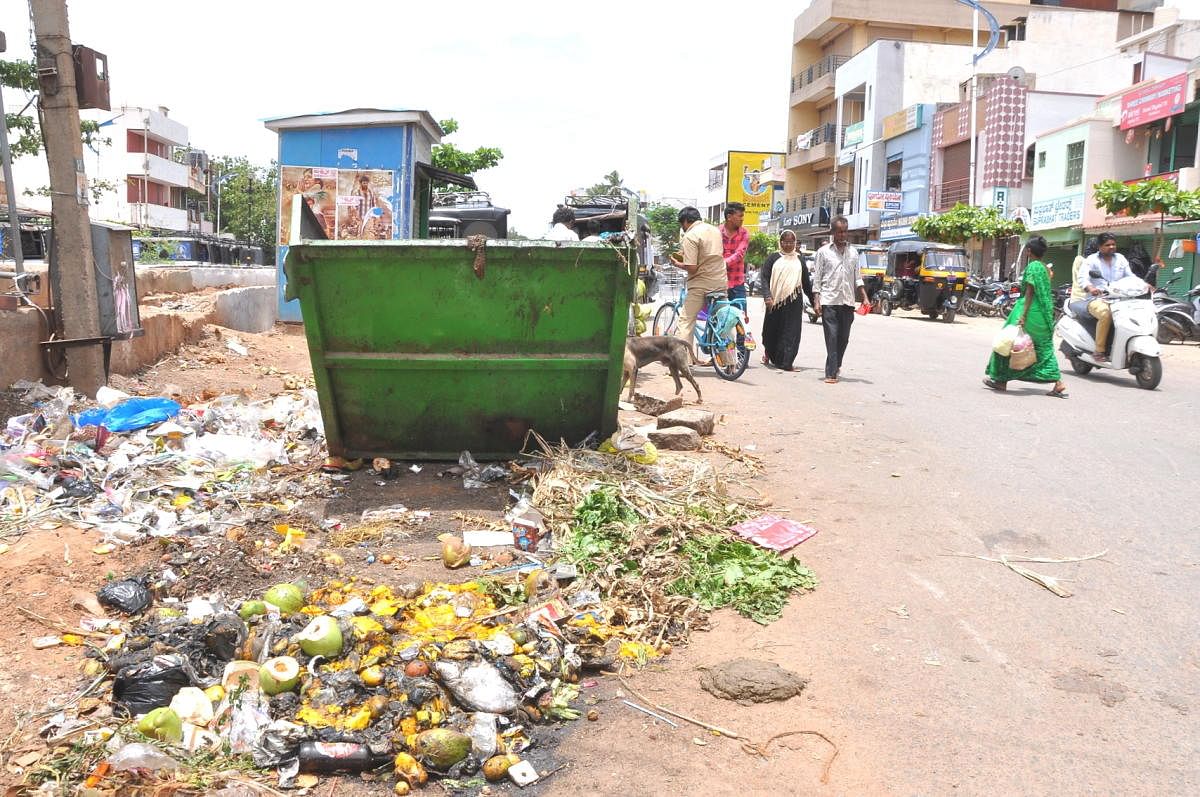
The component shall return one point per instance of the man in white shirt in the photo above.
(1111, 266)
(561, 225)
(836, 279)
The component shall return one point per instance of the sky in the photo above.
(568, 91)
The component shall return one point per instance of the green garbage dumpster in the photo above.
(423, 349)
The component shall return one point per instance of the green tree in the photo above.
(762, 244)
(452, 159)
(24, 129)
(610, 185)
(248, 196)
(664, 226)
(1160, 196)
(964, 222)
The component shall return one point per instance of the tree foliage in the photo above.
(762, 244)
(664, 226)
(248, 195)
(611, 184)
(451, 158)
(964, 222)
(24, 128)
(1148, 196)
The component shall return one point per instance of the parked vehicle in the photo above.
(988, 297)
(1134, 345)
(720, 331)
(1180, 321)
(925, 275)
(1162, 293)
(873, 263)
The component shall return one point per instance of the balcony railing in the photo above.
(818, 199)
(817, 70)
(822, 134)
(950, 192)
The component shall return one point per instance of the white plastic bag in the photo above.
(1005, 338)
(1023, 354)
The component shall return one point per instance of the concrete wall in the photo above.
(171, 279)
(21, 330)
(247, 309)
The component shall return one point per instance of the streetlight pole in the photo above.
(974, 101)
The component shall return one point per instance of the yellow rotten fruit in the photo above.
(358, 719)
(497, 766)
(402, 788)
(410, 770)
(372, 676)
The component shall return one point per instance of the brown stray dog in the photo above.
(670, 351)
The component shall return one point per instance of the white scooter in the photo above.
(1134, 327)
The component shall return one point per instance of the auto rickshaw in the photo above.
(925, 275)
(872, 260)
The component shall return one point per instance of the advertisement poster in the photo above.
(364, 204)
(885, 200)
(318, 186)
(749, 182)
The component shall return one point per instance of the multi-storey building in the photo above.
(856, 63)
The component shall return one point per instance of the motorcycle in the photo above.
(1180, 321)
(1134, 327)
(990, 297)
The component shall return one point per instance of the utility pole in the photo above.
(974, 99)
(14, 220)
(78, 306)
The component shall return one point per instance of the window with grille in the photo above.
(1075, 163)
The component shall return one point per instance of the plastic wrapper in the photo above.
(476, 476)
(139, 755)
(231, 449)
(483, 735)
(139, 688)
(478, 686)
(248, 716)
(130, 596)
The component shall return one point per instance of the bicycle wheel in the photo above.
(666, 320)
(731, 367)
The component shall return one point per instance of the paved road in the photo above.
(940, 674)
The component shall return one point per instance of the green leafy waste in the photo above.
(600, 531)
(726, 572)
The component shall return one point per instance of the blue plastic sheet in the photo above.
(134, 413)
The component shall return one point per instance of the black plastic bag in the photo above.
(129, 595)
(224, 635)
(139, 688)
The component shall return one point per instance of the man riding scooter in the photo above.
(1111, 266)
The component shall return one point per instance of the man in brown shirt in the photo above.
(702, 256)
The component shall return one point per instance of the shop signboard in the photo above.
(902, 122)
(885, 200)
(1063, 211)
(1159, 100)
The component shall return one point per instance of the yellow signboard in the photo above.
(902, 121)
(749, 182)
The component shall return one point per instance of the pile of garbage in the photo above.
(435, 680)
(135, 467)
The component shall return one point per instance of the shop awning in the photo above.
(446, 176)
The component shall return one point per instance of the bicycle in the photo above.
(730, 353)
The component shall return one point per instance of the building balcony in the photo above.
(815, 148)
(818, 199)
(158, 126)
(144, 214)
(949, 193)
(159, 170)
(814, 83)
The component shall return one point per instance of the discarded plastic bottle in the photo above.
(341, 757)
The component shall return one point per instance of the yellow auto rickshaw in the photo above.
(872, 260)
(928, 276)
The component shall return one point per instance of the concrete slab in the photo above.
(246, 309)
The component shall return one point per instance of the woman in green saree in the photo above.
(1033, 312)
